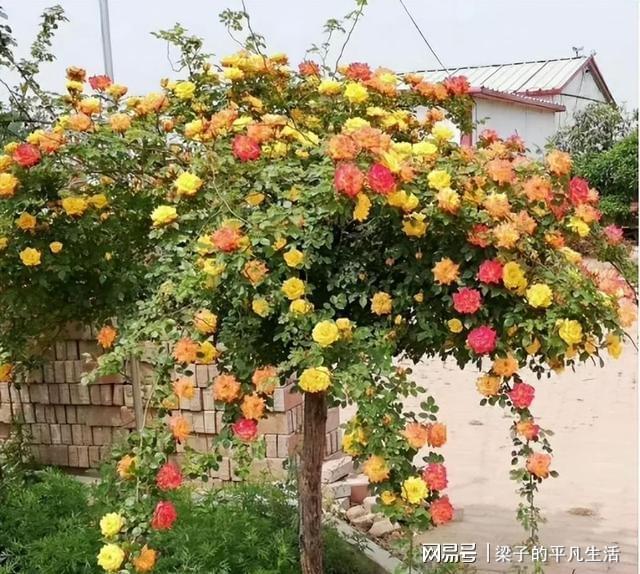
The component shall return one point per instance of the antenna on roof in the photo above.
(577, 51)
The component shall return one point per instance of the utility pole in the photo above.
(106, 38)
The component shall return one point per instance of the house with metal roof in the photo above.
(532, 99)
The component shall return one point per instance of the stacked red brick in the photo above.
(73, 425)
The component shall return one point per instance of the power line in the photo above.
(424, 38)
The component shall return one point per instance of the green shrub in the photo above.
(615, 171)
(48, 527)
(51, 527)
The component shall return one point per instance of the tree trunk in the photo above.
(315, 422)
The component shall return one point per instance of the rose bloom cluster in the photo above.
(319, 242)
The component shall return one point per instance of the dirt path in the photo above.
(594, 415)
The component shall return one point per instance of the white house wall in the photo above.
(576, 95)
(533, 126)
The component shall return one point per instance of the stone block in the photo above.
(333, 470)
(284, 398)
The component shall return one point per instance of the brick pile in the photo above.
(73, 425)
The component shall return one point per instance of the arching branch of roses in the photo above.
(281, 224)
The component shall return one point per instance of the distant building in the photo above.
(532, 99)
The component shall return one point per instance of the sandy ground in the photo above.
(593, 412)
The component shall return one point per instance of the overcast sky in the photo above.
(463, 32)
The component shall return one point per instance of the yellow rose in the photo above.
(26, 222)
(184, 90)
(255, 198)
(488, 386)
(163, 215)
(293, 288)
(90, 106)
(205, 322)
(119, 122)
(4, 241)
(325, 333)
(439, 179)
(513, 277)
(539, 295)
(55, 247)
(188, 184)
(387, 497)
(5, 162)
(402, 200)
(570, 331)
(30, 257)
(260, 307)
(111, 524)
(355, 124)
(300, 307)
(193, 128)
(74, 205)
(329, 87)
(448, 200)
(233, 74)
(414, 225)
(111, 557)
(8, 184)
(578, 226)
(570, 255)
(344, 326)
(422, 149)
(455, 325)
(207, 353)
(355, 93)
(381, 303)
(99, 200)
(614, 345)
(376, 469)
(414, 490)
(443, 130)
(294, 257)
(315, 379)
(362, 207)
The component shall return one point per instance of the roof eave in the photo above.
(487, 94)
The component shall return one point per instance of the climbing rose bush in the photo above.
(288, 224)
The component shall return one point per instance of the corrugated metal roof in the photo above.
(519, 77)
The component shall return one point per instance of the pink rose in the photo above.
(246, 148)
(164, 515)
(613, 234)
(26, 155)
(381, 179)
(578, 191)
(522, 395)
(482, 340)
(435, 475)
(348, 179)
(490, 272)
(467, 300)
(245, 429)
(169, 477)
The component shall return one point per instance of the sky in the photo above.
(462, 32)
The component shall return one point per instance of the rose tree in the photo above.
(292, 224)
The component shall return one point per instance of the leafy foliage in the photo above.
(595, 129)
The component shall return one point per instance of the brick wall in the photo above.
(73, 425)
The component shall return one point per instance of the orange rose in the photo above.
(500, 171)
(186, 350)
(437, 434)
(126, 466)
(505, 366)
(252, 407)
(416, 434)
(538, 464)
(528, 429)
(446, 271)
(265, 379)
(226, 388)
(180, 428)
(559, 162)
(79, 122)
(106, 336)
(146, 560)
(488, 385)
(184, 388)
(255, 271)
